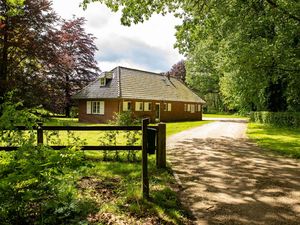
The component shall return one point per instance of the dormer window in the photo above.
(102, 81)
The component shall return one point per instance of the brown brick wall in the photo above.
(177, 112)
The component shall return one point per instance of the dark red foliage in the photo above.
(46, 58)
(178, 71)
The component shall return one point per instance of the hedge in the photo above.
(280, 119)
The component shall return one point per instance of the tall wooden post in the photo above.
(40, 138)
(161, 157)
(145, 179)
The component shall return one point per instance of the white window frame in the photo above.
(88, 107)
(126, 106)
(185, 107)
(102, 81)
(199, 108)
(139, 106)
(188, 107)
(192, 108)
(169, 107)
(147, 106)
(95, 107)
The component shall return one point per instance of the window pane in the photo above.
(141, 106)
(192, 108)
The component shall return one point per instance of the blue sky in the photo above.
(146, 46)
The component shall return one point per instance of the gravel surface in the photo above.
(226, 179)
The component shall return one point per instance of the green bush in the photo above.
(125, 119)
(280, 119)
(37, 184)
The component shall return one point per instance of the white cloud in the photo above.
(147, 46)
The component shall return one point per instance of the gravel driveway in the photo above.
(226, 179)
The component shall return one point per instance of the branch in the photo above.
(274, 5)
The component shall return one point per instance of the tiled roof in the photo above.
(136, 84)
(94, 91)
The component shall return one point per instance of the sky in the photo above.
(146, 46)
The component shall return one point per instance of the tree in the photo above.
(24, 28)
(255, 46)
(42, 56)
(178, 71)
(74, 65)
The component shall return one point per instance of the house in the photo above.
(146, 94)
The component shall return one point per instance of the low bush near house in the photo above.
(280, 119)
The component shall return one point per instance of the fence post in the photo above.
(161, 146)
(145, 179)
(40, 138)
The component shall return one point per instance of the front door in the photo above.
(157, 111)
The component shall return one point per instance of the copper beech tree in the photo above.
(42, 56)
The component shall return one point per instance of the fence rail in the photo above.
(159, 139)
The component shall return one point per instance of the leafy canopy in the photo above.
(246, 51)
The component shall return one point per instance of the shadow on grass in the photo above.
(163, 207)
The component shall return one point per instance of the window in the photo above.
(147, 106)
(188, 107)
(185, 107)
(139, 106)
(169, 107)
(102, 81)
(95, 107)
(199, 108)
(192, 108)
(126, 106)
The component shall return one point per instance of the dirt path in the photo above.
(226, 179)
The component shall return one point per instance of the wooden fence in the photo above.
(147, 137)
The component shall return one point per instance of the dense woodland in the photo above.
(240, 55)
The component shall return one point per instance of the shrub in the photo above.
(37, 184)
(124, 119)
(280, 119)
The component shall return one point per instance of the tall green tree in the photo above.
(247, 49)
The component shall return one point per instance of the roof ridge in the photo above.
(138, 70)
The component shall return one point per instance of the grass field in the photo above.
(173, 128)
(285, 141)
(93, 137)
(115, 184)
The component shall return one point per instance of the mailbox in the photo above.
(151, 140)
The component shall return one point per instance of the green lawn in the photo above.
(121, 181)
(173, 128)
(93, 137)
(115, 183)
(282, 140)
(223, 116)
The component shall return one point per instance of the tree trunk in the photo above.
(68, 97)
(3, 63)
